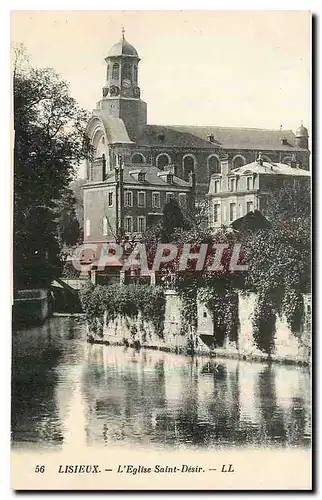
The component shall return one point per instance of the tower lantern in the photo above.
(121, 93)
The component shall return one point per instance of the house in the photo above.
(129, 199)
(233, 193)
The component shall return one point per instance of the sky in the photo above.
(222, 68)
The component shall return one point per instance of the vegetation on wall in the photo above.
(279, 260)
(103, 304)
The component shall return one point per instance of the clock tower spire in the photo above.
(121, 93)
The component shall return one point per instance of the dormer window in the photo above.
(283, 141)
(232, 185)
(139, 175)
(166, 176)
(211, 138)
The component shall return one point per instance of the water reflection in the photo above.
(69, 393)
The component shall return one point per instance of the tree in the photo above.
(291, 202)
(172, 218)
(67, 222)
(279, 259)
(49, 142)
(76, 186)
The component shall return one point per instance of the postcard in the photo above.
(161, 316)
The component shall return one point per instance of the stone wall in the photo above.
(289, 347)
(31, 306)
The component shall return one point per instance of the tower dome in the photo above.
(302, 137)
(123, 48)
(302, 131)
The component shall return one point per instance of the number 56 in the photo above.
(40, 468)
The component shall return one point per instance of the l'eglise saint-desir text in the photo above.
(156, 469)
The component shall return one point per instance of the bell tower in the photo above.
(302, 137)
(121, 93)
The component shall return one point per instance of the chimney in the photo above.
(259, 159)
(293, 161)
(281, 128)
(225, 164)
(192, 179)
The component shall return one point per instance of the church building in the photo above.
(186, 155)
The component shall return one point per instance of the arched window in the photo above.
(108, 72)
(115, 71)
(266, 158)
(188, 167)
(138, 158)
(126, 71)
(238, 161)
(213, 166)
(135, 73)
(162, 161)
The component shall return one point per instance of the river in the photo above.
(65, 391)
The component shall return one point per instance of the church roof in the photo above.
(151, 177)
(114, 127)
(223, 138)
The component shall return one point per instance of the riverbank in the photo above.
(225, 352)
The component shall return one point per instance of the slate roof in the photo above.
(224, 138)
(151, 177)
(271, 169)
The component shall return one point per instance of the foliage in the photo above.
(67, 223)
(107, 302)
(264, 322)
(49, 142)
(222, 303)
(69, 271)
(76, 187)
(172, 218)
(291, 202)
(279, 260)
(293, 306)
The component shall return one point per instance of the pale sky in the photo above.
(228, 68)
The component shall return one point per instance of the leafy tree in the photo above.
(49, 142)
(67, 222)
(172, 218)
(279, 259)
(291, 202)
(76, 187)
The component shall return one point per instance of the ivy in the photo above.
(104, 303)
(222, 302)
(264, 322)
(293, 307)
